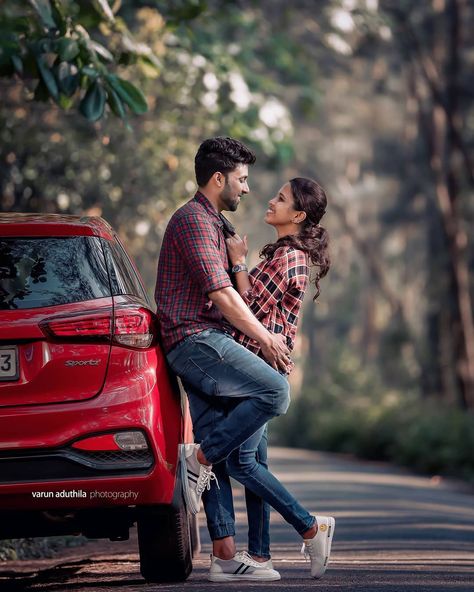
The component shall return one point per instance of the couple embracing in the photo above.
(228, 334)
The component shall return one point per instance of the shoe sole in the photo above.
(237, 577)
(184, 480)
(331, 527)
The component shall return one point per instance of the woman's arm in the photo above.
(237, 249)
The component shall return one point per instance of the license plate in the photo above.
(8, 363)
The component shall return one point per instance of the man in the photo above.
(197, 306)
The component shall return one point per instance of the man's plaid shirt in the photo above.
(276, 293)
(193, 262)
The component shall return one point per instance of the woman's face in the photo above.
(281, 210)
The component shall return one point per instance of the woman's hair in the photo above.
(313, 239)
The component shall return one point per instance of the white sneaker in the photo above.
(195, 477)
(318, 549)
(267, 563)
(240, 567)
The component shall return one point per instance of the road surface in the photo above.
(395, 532)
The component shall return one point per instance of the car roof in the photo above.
(17, 224)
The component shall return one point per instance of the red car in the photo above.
(90, 420)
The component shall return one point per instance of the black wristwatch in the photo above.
(239, 267)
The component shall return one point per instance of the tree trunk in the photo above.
(447, 194)
(443, 135)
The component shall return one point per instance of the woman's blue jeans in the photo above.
(258, 510)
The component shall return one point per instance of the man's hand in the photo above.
(276, 352)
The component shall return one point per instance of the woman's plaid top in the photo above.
(276, 293)
(193, 262)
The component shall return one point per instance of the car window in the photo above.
(46, 271)
(123, 277)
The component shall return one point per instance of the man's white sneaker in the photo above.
(240, 567)
(268, 563)
(195, 477)
(318, 549)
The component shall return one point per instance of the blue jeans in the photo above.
(258, 510)
(232, 393)
(230, 390)
(215, 370)
(244, 466)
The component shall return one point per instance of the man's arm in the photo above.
(234, 309)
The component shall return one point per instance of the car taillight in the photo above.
(85, 327)
(132, 327)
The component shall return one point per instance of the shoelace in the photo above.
(244, 557)
(204, 480)
(307, 551)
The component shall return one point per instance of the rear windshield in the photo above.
(45, 271)
(123, 277)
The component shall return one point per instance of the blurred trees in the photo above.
(372, 97)
(433, 46)
(391, 139)
(134, 173)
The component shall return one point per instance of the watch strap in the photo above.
(239, 267)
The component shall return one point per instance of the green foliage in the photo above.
(93, 103)
(68, 52)
(351, 411)
(129, 94)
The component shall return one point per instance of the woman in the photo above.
(274, 291)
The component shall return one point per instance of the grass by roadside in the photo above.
(353, 413)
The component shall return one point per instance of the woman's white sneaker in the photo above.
(240, 568)
(318, 549)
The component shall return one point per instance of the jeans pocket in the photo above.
(198, 360)
(210, 344)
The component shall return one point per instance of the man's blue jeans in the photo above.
(232, 393)
(216, 371)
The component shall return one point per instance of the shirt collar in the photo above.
(202, 199)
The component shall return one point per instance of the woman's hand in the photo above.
(237, 249)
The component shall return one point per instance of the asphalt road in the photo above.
(394, 532)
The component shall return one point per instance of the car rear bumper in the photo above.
(40, 470)
(128, 490)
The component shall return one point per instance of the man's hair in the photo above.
(220, 154)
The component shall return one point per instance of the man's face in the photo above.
(235, 186)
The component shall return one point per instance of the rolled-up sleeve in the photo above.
(195, 240)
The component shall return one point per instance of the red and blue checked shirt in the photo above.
(276, 294)
(193, 262)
